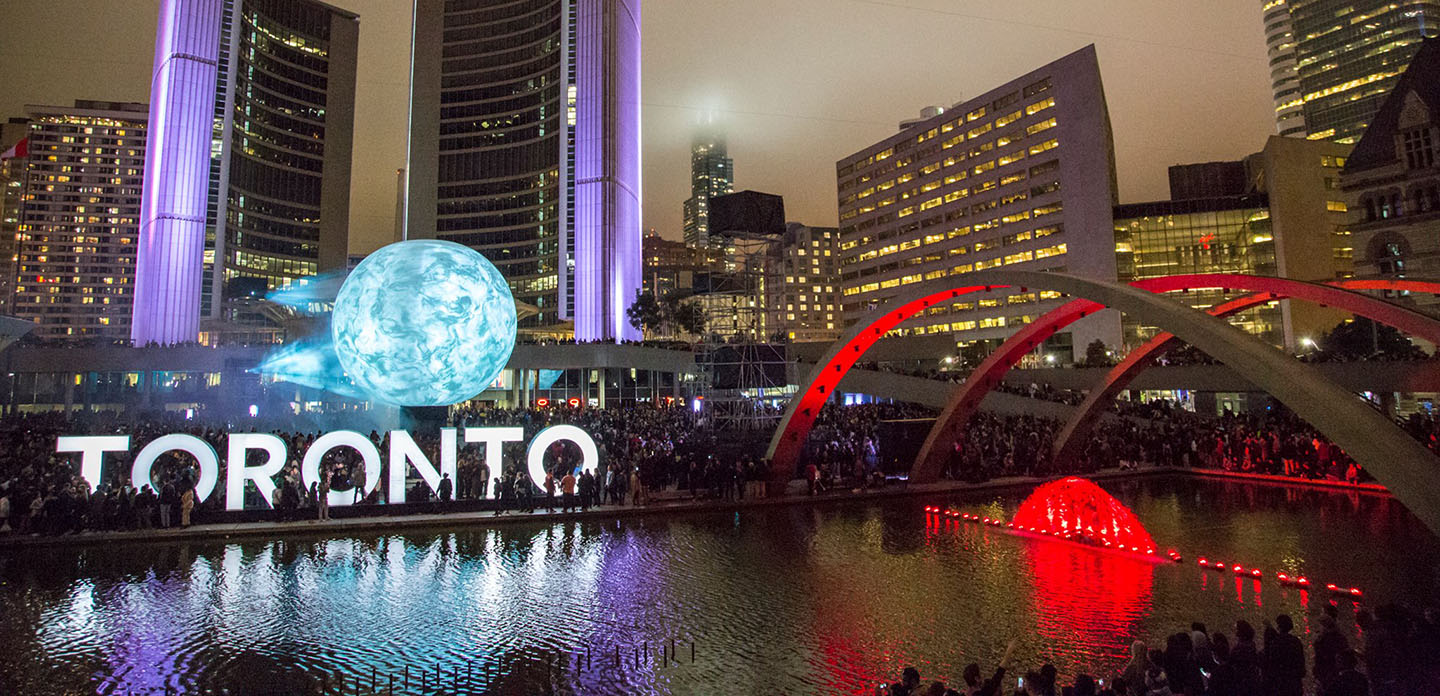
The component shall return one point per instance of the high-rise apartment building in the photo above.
(712, 173)
(1021, 176)
(525, 145)
(247, 183)
(1333, 61)
(78, 217)
(804, 296)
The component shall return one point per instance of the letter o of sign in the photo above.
(589, 455)
(201, 450)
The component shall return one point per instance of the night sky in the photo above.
(797, 84)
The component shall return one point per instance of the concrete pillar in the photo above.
(604, 377)
(1387, 403)
(69, 391)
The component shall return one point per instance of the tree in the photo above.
(1097, 355)
(645, 313)
(689, 317)
(1362, 338)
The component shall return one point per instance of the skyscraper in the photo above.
(712, 174)
(247, 178)
(77, 216)
(1333, 61)
(525, 145)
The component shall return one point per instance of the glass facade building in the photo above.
(248, 174)
(712, 173)
(1333, 61)
(524, 145)
(1208, 235)
(278, 204)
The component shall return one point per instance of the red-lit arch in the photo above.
(965, 401)
(1070, 440)
(1407, 468)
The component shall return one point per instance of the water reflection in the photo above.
(797, 600)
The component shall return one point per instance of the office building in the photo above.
(525, 145)
(1333, 61)
(1392, 183)
(804, 296)
(1022, 176)
(712, 173)
(1230, 234)
(1278, 212)
(77, 216)
(247, 183)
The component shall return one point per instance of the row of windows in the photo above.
(541, 35)
(533, 157)
(961, 269)
(971, 134)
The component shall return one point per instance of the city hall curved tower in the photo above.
(525, 145)
(247, 173)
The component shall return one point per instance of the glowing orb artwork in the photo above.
(424, 323)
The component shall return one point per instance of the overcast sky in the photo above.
(798, 84)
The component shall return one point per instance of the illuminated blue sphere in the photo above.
(424, 323)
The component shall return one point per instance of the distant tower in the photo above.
(712, 174)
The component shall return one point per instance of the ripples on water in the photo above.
(828, 599)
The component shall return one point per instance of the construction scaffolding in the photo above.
(741, 360)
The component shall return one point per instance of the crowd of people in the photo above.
(641, 450)
(1393, 654)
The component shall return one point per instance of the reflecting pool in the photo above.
(802, 599)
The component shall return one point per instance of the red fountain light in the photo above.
(1075, 508)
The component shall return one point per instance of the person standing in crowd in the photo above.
(1283, 659)
(168, 501)
(549, 491)
(583, 487)
(187, 505)
(357, 481)
(524, 492)
(145, 506)
(444, 489)
(567, 490)
(637, 489)
(1348, 681)
(322, 494)
(1245, 657)
(1328, 646)
(5, 511)
(483, 476)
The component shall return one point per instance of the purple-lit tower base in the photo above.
(169, 267)
(607, 169)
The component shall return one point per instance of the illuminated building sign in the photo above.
(404, 455)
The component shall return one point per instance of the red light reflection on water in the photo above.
(1085, 598)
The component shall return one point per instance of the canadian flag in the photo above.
(20, 149)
